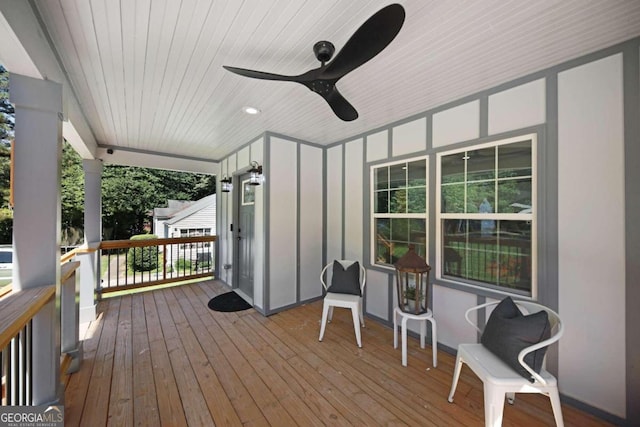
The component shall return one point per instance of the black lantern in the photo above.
(412, 282)
(227, 185)
(255, 173)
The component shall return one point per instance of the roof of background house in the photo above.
(193, 208)
(173, 207)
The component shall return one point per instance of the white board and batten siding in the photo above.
(311, 207)
(282, 222)
(591, 247)
(295, 222)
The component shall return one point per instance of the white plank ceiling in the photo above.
(148, 73)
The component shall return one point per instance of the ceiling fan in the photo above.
(369, 40)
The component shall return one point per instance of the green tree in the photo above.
(72, 196)
(129, 195)
(7, 121)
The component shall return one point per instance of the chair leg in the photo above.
(330, 314)
(323, 323)
(456, 377)
(493, 405)
(395, 329)
(356, 325)
(361, 313)
(556, 406)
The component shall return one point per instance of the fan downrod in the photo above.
(323, 50)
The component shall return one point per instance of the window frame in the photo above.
(194, 232)
(532, 217)
(373, 215)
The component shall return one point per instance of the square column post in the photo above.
(36, 217)
(89, 271)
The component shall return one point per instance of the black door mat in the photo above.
(228, 302)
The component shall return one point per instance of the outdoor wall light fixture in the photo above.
(227, 185)
(255, 177)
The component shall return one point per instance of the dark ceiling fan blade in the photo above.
(340, 106)
(259, 74)
(369, 40)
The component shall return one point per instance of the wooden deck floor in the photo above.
(163, 358)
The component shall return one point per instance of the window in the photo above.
(486, 215)
(399, 206)
(195, 232)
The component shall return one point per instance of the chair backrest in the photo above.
(557, 328)
(324, 274)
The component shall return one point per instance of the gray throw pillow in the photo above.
(345, 280)
(508, 331)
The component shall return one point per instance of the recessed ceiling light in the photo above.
(251, 110)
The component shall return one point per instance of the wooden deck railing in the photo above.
(128, 264)
(17, 347)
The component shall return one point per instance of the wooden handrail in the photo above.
(18, 308)
(81, 250)
(122, 244)
(5, 290)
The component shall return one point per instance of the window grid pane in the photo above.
(488, 251)
(399, 195)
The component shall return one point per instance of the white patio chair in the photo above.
(344, 300)
(499, 379)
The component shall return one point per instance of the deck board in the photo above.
(236, 391)
(121, 396)
(163, 358)
(168, 396)
(145, 401)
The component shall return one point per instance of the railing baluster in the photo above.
(29, 354)
(164, 262)
(21, 367)
(14, 371)
(196, 251)
(4, 372)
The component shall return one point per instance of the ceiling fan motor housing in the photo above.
(323, 50)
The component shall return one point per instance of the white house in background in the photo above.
(186, 218)
(196, 219)
(161, 215)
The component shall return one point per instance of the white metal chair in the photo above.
(499, 379)
(352, 301)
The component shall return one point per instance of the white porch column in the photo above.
(89, 274)
(36, 216)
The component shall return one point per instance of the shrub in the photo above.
(145, 258)
(6, 225)
(183, 264)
